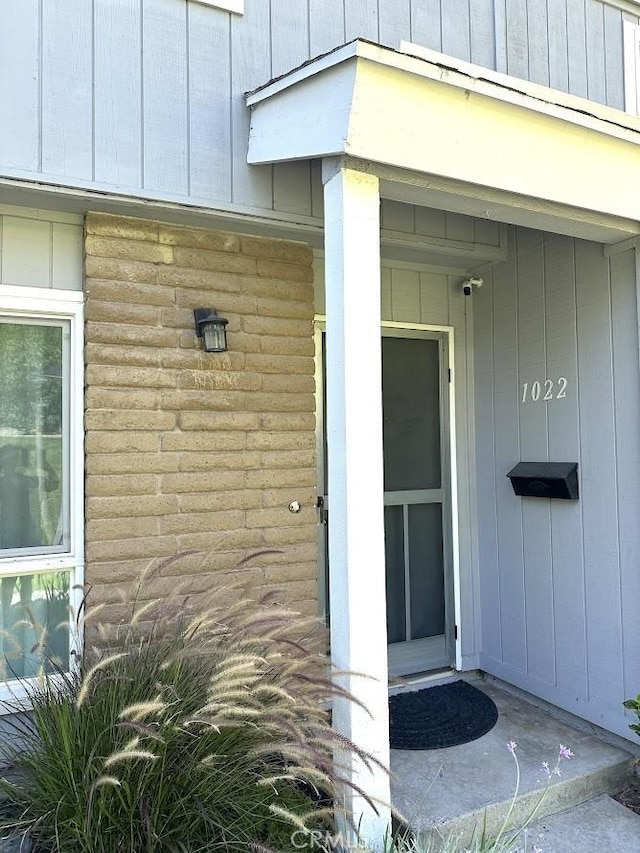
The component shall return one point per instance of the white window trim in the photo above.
(631, 47)
(236, 6)
(32, 302)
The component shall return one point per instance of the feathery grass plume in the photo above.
(183, 730)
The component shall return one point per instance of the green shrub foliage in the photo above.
(180, 731)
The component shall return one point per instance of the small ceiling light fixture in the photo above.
(210, 326)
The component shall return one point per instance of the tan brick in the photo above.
(217, 381)
(121, 270)
(225, 303)
(123, 506)
(129, 291)
(287, 458)
(202, 259)
(222, 500)
(221, 540)
(126, 356)
(108, 225)
(196, 401)
(280, 516)
(219, 420)
(279, 289)
(202, 481)
(280, 364)
(122, 442)
(119, 375)
(202, 522)
(204, 280)
(121, 484)
(278, 402)
(207, 441)
(275, 326)
(282, 496)
(199, 238)
(120, 528)
(122, 398)
(287, 346)
(281, 536)
(277, 250)
(292, 384)
(281, 441)
(116, 312)
(284, 575)
(119, 573)
(241, 460)
(139, 336)
(289, 421)
(286, 308)
(129, 250)
(117, 462)
(288, 272)
(294, 477)
(304, 590)
(117, 419)
(132, 548)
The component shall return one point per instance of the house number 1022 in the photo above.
(544, 389)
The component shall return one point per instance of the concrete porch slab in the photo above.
(448, 792)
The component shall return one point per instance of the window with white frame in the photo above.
(41, 548)
(631, 34)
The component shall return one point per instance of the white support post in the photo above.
(355, 479)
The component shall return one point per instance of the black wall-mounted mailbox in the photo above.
(545, 480)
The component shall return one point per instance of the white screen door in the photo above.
(416, 498)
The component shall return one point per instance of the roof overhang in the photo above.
(452, 135)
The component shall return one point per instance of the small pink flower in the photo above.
(546, 768)
(511, 746)
(564, 752)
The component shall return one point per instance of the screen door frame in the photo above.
(445, 336)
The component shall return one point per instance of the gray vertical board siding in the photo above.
(165, 101)
(394, 22)
(482, 32)
(614, 57)
(395, 216)
(67, 100)
(577, 47)
(118, 92)
(426, 23)
(405, 295)
(507, 453)
(517, 39)
(326, 25)
(564, 446)
(538, 39)
(627, 416)
(596, 76)
(38, 249)
(209, 95)
(290, 48)
(599, 482)
(558, 45)
(456, 29)
(250, 67)
(20, 85)
(536, 514)
(361, 19)
(487, 471)
(435, 292)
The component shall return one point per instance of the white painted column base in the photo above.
(355, 477)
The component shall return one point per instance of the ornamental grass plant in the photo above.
(180, 731)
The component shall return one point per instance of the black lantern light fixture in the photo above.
(210, 326)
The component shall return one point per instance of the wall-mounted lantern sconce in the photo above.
(210, 326)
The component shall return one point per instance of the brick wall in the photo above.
(189, 450)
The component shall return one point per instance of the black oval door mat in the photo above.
(437, 717)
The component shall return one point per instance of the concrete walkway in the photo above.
(451, 792)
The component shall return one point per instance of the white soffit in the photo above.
(461, 124)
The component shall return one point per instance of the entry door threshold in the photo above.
(422, 679)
